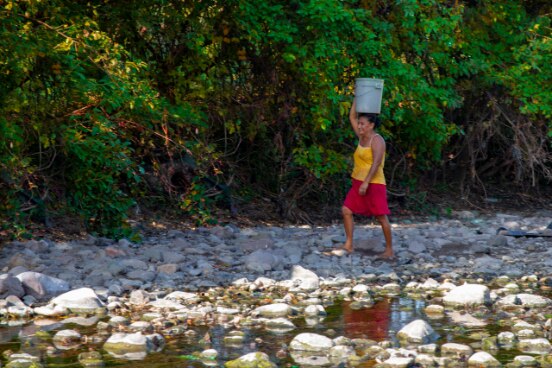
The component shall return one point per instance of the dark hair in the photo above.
(373, 118)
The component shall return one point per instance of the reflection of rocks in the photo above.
(67, 339)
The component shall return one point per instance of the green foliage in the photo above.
(98, 96)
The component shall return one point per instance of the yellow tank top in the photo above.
(363, 162)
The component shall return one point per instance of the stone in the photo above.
(315, 310)
(279, 324)
(466, 319)
(251, 360)
(41, 286)
(506, 338)
(398, 362)
(525, 361)
(306, 279)
(79, 300)
(169, 268)
(133, 346)
(23, 360)
(482, 359)
(418, 331)
(139, 297)
(434, 309)
(210, 354)
(274, 310)
(183, 297)
(534, 346)
(468, 295)
(456, 350)
(261, 261)
(524, 300)
(10, 285)
(311, 342)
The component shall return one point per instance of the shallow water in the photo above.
(380, 322)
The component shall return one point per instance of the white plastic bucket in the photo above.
(368, 93)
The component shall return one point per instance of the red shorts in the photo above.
(373, 203)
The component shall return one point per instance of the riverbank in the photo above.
(145, 295)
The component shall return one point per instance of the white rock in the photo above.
(311, 342)
(274, 310)
(525, 300)
(466, 319)
(79, 300)
(306, 279)
(398, 362)
(453, 349)
(315, 310)
(534, 346)
(256, 359)
(482, 359)
(468, 294)
(418, 331)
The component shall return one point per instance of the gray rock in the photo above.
(41, 286)
(398, 362)
(261, 261)
(10, 285)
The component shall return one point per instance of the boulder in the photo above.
(41, 286)
(10, 285)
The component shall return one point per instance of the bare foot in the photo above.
(340, 251)
(388, 254)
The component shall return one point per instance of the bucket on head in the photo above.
(368, 93)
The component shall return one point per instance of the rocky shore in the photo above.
(126, 301)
